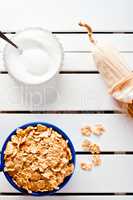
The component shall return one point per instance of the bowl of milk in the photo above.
(39, 60)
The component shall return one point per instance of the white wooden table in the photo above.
(82, 96)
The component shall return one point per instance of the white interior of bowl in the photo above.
(44, 45)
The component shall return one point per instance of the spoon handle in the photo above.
(2, 35)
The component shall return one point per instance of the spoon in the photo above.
(2, 35)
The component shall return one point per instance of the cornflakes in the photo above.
(86, 166)
(98, 129)
(96, 160)
(94, 148)
(38, 158)
(86, 131)
(86, 145)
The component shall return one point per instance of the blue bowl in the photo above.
(9, 178)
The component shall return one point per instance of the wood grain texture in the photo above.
(114, 175)
(64, 15)
(118, 135)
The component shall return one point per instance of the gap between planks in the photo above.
(81, 32)
(66, 72)
(72, 194)
(62, 112)
(105, 153)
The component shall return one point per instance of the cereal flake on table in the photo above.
(86, 145)
(94, 148)
(86, 131)
(86, 166)
(96, 160)
(98, 129)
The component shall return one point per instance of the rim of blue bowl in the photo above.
(64, 135)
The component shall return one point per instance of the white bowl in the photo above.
(45, 61)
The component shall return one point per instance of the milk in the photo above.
(39, 60)
(36, 61)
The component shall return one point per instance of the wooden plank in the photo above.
(105, 197)
(114, 175)
(80, 61)
(118, 135)
(80, 42)
(67, 14)
(69, 92)
(72, 62)
(77, 50)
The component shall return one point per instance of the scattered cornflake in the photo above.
(94, 148)
(96, 160)
(86, 166)
(86, 131)
(86, 145)
(98, 129)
